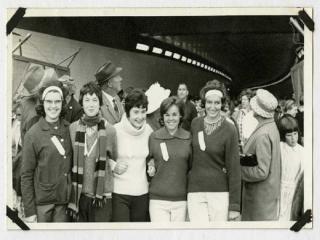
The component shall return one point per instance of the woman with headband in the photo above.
(214, 179)
(46, 160)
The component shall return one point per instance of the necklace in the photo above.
(210, 127)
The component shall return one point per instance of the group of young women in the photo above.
(97, 172)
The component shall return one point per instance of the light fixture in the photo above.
(168, 53)
(176, 56)
(142, 47)
(157, 50)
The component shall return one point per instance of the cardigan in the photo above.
(170, 180)
(217, 168)
(45, 172)
(132, 149)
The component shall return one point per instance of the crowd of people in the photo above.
(138, 156)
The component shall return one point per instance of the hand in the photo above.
(31, 219)
(120, 168)
(234, 216)
(151, 170)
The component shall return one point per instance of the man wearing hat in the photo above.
(74, 109)
(109, 80)
(260, 163)
(35, 77)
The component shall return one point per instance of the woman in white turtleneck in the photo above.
(130, 200)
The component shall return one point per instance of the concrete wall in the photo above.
(139, 70)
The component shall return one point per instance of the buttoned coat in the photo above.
(261, 183)
(45, 172)
(108, 112)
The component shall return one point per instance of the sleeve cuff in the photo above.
(234, 207)
(112, 164)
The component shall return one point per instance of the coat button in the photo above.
(224, 170)
(65, 174)
(64, 157)
(70, 107)
(55, 127)
(61, 140)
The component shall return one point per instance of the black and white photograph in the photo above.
(160, 118)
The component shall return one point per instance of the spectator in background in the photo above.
(46, 160)
(74, 110)
(109, 80)
(300, 119)
(244, 117)
(260, 165)
(156, 94)
(35, 77)
(291, 108)
(190, 111)
(291, 164)
(214, 183)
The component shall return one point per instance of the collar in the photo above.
(130, 129)
(262, 123)
(163, 134)
(108, 96)
(44, 125)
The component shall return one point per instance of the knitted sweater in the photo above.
(132, 149)
(217, 168)
(170, 180)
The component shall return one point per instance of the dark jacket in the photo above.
(190, 112)
(45, 173)
(74, 111)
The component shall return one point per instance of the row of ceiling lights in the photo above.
(177, 56)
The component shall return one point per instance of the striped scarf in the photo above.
(103, 179)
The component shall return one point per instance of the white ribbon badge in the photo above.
(164, 151)
(58, 145)
(201, 141)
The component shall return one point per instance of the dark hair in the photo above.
(90, 88)
(136, 98)
(182, 83)
(209, 87)
(166, 104)
(287, 124)
(246, 92)
(40, 108)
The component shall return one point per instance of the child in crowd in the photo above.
(291, 164)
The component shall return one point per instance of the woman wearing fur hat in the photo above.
(260, 164)
(46, 160)
(214, 179)
(94, 147)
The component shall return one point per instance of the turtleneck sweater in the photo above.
(132, 149)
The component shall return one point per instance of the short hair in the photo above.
(246, 92)
(289, 104)
(168, 103)
(90, 88)
(40, 108)
(209, 87)
(136, 98)
(287, 124)
(182, 83)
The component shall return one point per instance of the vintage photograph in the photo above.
(160, 118)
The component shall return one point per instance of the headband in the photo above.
(51, 88)
(214, 92)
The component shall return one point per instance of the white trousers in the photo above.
(208, 206)
(167, 211)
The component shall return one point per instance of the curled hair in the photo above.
(287, 124)
(40, 108)
(168, 103)
(90, 88)
(136, 98)
(209, 87)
